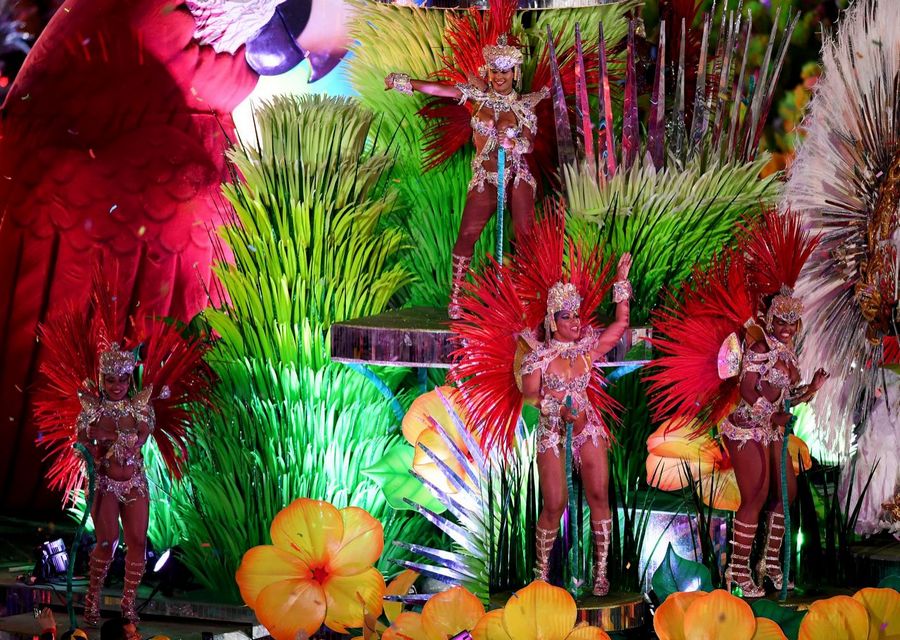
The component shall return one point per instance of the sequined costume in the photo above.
(754, 422)
(125, 450)
(488, 109)
(555, 389)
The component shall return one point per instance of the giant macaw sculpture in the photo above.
(112, 143)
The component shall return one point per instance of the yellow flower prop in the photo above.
(718, 615)
(708, 464)
(443, 616)
(837, 618)
(538, 611)
(420, 432)
(317, 570)
(883, 607)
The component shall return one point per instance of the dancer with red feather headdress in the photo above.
(482, 73)
(728, 361)
(93, 396)
(529, 334)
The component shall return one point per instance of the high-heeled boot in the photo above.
(460, 270)
(134, 571)
(769, 565)
(738, 572)
(602, 532)
(97, 570)
(543, 547)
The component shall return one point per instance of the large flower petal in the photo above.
(837, 618)
(350, 598)
(361, 544)
(799, 452)
(719, 615)
(450, 612)
(399, 586)
(490, 627)
(720, 491)
(407, 626)
(539, 611)
(883, 606)
(313, 529)
(768, 630)
(264, 565)
(587, 632)
(429, 406)
(680, 443)
(669, 619)
(288, 607)
(669, 474)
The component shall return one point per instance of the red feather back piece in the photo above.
(73, 339)
(777, 247)
(684, 378)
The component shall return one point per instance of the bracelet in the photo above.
(621, 291)
(401, 82)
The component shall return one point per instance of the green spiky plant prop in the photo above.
(411, 40)
(310, 247)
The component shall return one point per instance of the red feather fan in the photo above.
(499, 306)
(684, 378)
(73, 340)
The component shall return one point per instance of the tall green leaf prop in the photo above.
(310, 247)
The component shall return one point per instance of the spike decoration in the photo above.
(497, 310)
(73, 339)
(717, 125)
(606, 137)
(582, 107)
(845, 182)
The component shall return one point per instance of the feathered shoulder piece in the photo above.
(699, 336)
(69, 397)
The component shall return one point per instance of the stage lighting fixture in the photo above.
(54, 558)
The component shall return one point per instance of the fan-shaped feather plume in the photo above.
(845, 183)
(776, 249)
(492, 318)
(688, 334)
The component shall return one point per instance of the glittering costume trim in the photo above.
(522, 107)
(761, 434)
(125, 491)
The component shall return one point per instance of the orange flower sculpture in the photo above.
(871, 614)
(318, 569)
(717, 615)
(443, 616)
(420, 431)
(677, 458)
(536, 612)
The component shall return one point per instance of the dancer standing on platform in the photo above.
(501, 120)
(531, 334)
(728, 360)
(99, 402)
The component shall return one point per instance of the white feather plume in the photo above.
(228, 24)
(853, 131)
